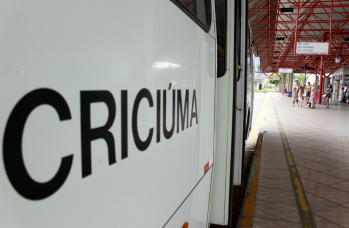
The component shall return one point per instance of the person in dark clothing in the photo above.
(328, 95)
(307, 92)
(344, 93)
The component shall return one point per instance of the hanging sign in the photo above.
(285, 70)
(337, 78)
(312, 48)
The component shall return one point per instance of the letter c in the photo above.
(12, 145)
(141, 145)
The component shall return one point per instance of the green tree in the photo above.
(273, 81)
(300, 78)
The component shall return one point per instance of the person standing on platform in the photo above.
(300, 95)
(347, 93)
(344, 92)
(295, 90)
(314, 95)
(328, 95)
(307, 92)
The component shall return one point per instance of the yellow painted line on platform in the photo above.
(305, 213)
(247, 211)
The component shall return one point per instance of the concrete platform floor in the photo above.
(304, 166)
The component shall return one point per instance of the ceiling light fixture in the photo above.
(286, 10)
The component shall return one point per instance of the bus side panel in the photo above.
(241, 102)
(239, 136)
(220, 185)
(220, 194)
(193, 210)
(109, 65)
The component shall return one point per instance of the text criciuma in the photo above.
(184, 114)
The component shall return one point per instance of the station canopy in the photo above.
(301, 36)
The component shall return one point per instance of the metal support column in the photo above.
(284, 83)
(280, 84)
(321, 79)
(290, 83)
(326, 82)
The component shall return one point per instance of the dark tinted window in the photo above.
(221, 21)
(198, 10)
(249, 51)
(238, 38)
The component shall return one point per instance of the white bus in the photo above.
(119, 113)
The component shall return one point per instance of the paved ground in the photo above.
(257, 104)
(304, 176)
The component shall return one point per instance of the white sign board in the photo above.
(285, 70)
(312, 48)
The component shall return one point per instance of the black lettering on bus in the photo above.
(141, 145)
(88, 134)
(180, 111)
(168, 134)
(158, 115)
(12, 145)
(124, 119)
(194, 114)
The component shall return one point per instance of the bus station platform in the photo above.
(300, 171)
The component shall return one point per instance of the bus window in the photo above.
(198, 10)
(248, 54)
(238, 38)
(221, 21)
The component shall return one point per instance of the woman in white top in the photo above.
(295, 90)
